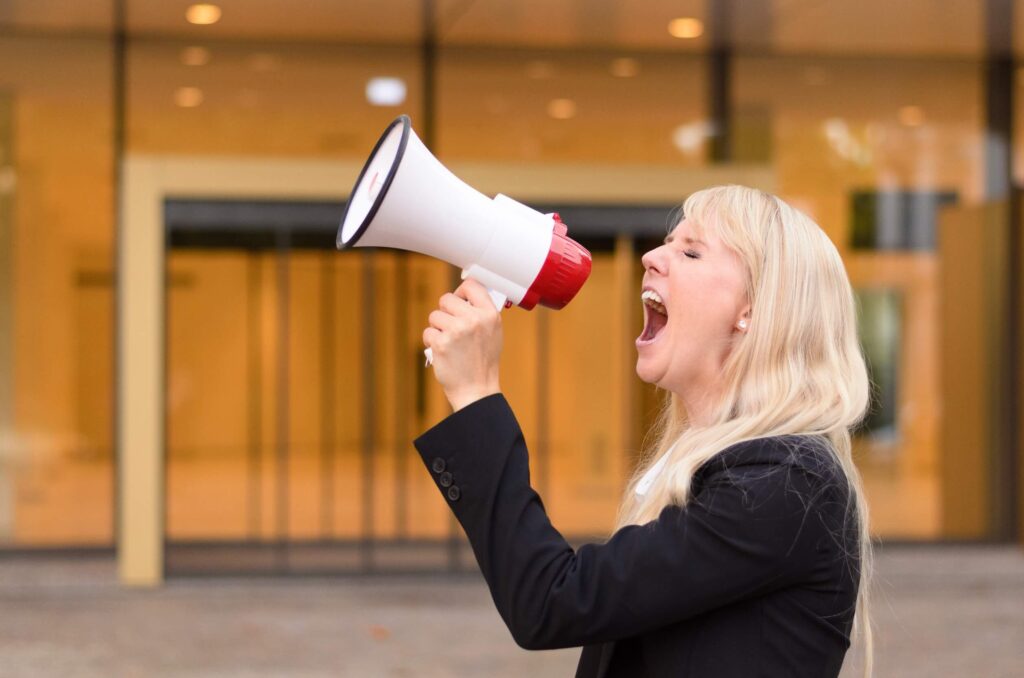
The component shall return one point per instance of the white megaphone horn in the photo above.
(406, 199)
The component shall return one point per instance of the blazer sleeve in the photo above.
(746, 534)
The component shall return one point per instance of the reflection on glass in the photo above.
(896, 220)
(880, 323)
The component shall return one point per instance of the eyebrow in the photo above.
(688, 241)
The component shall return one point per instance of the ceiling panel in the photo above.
(905, 27)
(570, 23)
(395, 21)
(870, 27)
(57, 15)
(290, 98)
(862, 27)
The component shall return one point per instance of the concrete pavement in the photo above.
(941, 611)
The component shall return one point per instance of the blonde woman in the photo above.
(742, 546)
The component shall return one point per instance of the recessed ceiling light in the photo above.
(195, 56)
(203, 14)
(188, 97)
(8, 180)
(911, 116)
(385, 91)
(562, 109)
(624, 67)
(686, 27)
(690, 137)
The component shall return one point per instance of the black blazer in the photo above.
(756, 576)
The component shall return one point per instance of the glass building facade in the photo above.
(187, 363)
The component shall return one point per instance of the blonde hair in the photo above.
(797, 370)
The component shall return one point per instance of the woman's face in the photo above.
(694, 298)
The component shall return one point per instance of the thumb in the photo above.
(475, 293)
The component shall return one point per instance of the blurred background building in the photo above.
(191, 374)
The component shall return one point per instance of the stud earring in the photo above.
(743, 324)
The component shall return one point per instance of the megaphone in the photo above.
(406, 199)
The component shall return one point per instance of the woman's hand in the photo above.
(465, 336)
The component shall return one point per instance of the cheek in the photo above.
(702, 307)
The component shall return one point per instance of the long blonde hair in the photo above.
(797, 370)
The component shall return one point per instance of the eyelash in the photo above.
(693, 254)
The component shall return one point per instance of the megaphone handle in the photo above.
(499, 300)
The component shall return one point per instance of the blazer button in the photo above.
(445, 479)
(437, 465)
(454, 493)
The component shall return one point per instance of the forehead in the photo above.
(689, 231)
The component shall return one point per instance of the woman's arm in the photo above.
(747, 533)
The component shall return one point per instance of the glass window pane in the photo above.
(876, 151)
(590, 107)
(262, 99)
(56, 292)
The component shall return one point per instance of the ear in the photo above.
(743, 322)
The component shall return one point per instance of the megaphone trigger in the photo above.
(500, 299)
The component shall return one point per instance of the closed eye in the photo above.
(692, 254)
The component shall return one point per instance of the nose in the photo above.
(655, 260)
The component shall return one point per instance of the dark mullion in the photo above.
(119, 67)
(254, 377)
(720, 65)
(369, 400)
(999, 83)
(402, 378)
(328, 405)
(282, 452)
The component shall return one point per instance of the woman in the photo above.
(742, 542)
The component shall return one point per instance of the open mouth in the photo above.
(655, 316)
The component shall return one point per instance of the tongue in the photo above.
(655, 323)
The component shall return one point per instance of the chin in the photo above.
(647, 373)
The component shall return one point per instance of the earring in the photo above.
(743, 324)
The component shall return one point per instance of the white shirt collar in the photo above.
(652, 473)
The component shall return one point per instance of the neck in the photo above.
(699, 406)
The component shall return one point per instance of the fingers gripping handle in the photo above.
(499, 300)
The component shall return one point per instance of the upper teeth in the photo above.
(653, 299)
(652, 296)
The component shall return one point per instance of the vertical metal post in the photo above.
(7, 243)
(119, 104)
(541, 455)
(283, 437)
(720, 63)
(402, 393)
(428, 56)
(328, 408)
(999, 96)
(369, 436)
(254, 393)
